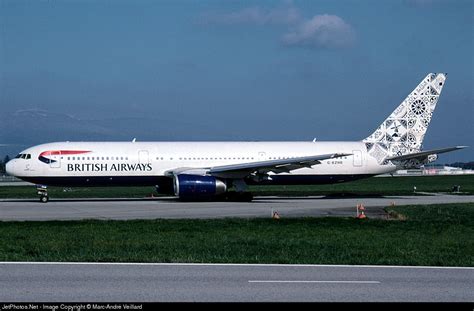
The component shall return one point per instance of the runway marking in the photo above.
(225, 265)
(337, 282)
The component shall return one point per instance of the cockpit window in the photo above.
(25, 156)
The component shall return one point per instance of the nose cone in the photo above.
(10, 168)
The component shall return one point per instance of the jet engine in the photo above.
(192, 187)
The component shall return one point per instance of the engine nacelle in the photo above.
(197, 187)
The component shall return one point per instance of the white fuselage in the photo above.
(143, 163)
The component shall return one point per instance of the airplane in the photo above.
(208, 170)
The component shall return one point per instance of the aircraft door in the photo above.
(143, 157)
(55, 161)
(261, 156)
(357, 156)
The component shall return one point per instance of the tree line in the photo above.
(463, 165)
(2, 164)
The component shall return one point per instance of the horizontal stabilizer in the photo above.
(423, 154)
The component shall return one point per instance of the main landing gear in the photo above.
(43, 193)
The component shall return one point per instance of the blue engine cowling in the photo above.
(197, 187)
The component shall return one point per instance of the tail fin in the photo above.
(403, 131)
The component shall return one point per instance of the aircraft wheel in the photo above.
(44, 199)
(247, 197)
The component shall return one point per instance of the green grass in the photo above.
(430, 235)
(366, 187)
(377, 186)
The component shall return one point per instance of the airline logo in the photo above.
(43, 157)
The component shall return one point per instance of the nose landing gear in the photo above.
(43, 193)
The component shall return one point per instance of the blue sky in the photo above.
(230, 70)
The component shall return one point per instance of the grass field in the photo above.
(377, 186)
(417, 235)
(366, 187)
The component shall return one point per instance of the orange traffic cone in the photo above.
(360, 211)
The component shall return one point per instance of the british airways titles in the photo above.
(104, 167)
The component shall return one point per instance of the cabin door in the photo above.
(357, 155)
(55, 161)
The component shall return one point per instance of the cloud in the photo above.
(322, 31)
(285, 14)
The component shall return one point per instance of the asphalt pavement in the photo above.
(170, 208)
(76, 282)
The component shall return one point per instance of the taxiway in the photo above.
(170, 208)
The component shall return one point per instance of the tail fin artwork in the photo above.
(403, 131)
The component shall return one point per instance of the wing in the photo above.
(244, 169)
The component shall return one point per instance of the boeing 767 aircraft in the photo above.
(204, 170)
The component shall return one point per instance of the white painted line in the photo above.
(337, 282)
(224, 265)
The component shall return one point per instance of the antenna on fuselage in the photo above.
(134, 140)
